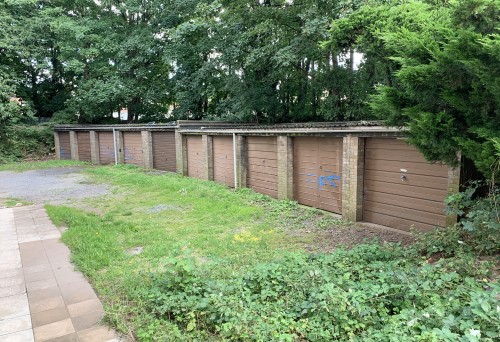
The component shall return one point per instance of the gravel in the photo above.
(50, 186)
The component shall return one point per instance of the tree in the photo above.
(445, 61)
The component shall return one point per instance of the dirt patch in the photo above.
(50, 186)
(135, 251)
(328, 239)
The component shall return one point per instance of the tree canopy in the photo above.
(446, 66)
(430, 65)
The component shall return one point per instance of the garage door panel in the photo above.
(106, 148)
(164, 151)
(262, 165)
(264, 182)
(305, 195)
(407, 202)
(194, 156)
(255, 145)
(329, 160)
(411, 215)
(390, 144)
(265, 174)
(397, 155)
(132, 145)
(397, 222)
(84, 146)
(223, 160)
(264, 144)
(317, 172)
(64, 145)
(415, 191)
(330, 149)
(262, 170)
(307, 143)
(329, 191)
(399, 198)
(329, 206)
(412, 168)
(413, 180)
(262, 155)
(307, 162)
(308, 193)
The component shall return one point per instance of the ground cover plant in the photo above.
(176, 258)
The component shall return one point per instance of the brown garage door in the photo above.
(65, 145)
(262, 172)
(106, 148)
(223, 160)
(132, 146)
(194, 157)
(318, 172)
(164, 151)
(401, 187)
(83, 146)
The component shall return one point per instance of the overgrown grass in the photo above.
(215, 264)
(25, 166)
(225, 231)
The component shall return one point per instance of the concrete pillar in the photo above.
(208, 157)
(285, 167)
(147, 149)
(57, 145)
(453, 188)
(241, 161)
(94, 148)
(73, 140)
(352, 178)
(181, 153)
(120, 151)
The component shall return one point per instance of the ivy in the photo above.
(369, 293)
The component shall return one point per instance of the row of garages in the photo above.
(163, 147)
(383, 180)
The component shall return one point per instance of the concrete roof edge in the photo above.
(218, 127)
(351, 129)
(130, 127)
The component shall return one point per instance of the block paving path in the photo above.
(42, 297)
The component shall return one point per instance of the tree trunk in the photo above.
(132, 107)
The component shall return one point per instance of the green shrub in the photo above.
(24, 141)
(369, 293)
(479, 226)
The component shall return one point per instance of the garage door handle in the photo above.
(321, 167)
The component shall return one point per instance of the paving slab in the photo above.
(42, 297)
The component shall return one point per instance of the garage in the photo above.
(83, 139)
(195, 156)
(164, 151)
(223, 155)
(64, 145)
(262, 166)
(106, 148)
(318, 172)
(132, 147)
(401, 188)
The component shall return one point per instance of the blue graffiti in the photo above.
(328, 180)
(311, 176)
(322, 181)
